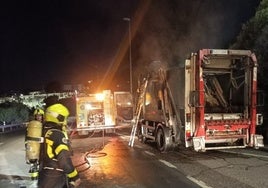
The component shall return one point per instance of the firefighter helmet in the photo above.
(38, 111)
(57, 113)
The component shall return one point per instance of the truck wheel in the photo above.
(164, 140)
(161, 140)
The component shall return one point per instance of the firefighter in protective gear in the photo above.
(56, 162)
(39, 114)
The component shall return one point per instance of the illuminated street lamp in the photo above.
(130, 62)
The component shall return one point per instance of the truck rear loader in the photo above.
(209, 102)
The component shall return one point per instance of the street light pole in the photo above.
(130, 60)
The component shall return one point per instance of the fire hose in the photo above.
(94, 153)
(87, 156)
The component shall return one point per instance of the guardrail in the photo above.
(12, 127)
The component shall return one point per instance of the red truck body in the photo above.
(209, 102)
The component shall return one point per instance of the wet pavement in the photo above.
(102, 161)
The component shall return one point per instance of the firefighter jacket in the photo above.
(56, 153)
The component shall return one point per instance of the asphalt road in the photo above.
(117, 165)
(102, 161)
(108, 161)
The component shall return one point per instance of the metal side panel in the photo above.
(176, 82)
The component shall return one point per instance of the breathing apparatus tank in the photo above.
(33, 143)
(33, 140)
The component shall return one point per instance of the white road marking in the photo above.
(168, 164)
(198, 182)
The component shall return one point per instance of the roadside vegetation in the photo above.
(13, 113)
(254, 36)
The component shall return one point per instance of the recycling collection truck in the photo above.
(209, 102)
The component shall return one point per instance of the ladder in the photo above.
(138, 109)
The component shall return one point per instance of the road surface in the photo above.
(108, 161)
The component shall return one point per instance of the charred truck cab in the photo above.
(208, 103)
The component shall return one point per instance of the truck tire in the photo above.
(163, 142)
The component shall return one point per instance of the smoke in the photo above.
(171, 30)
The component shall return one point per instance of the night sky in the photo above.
(75, 41)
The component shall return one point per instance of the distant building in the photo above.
(34, 99)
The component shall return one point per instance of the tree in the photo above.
(254, 36)
(13, 112)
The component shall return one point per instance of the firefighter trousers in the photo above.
(51, 179)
